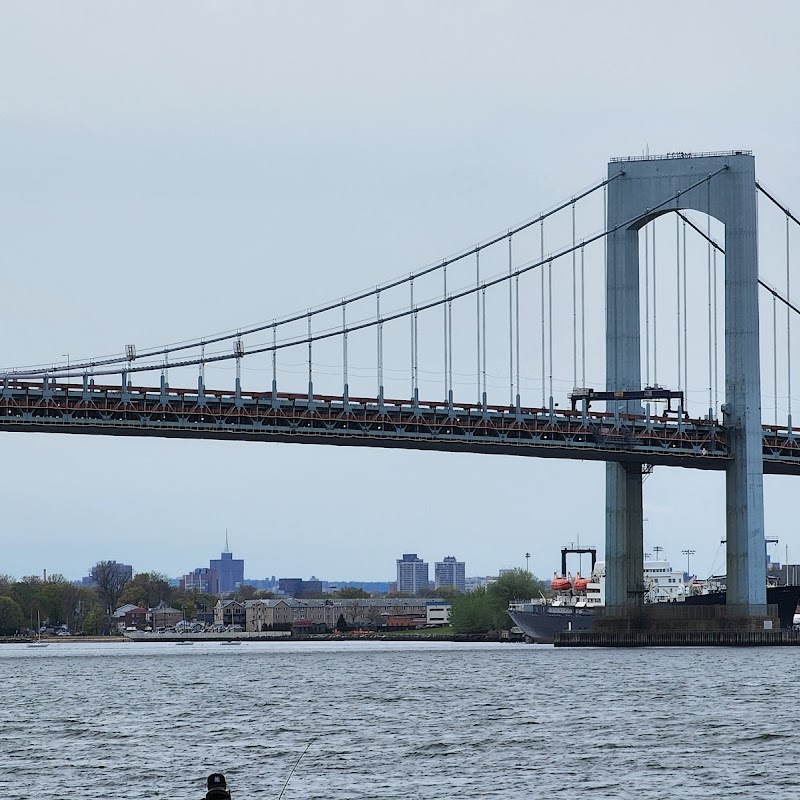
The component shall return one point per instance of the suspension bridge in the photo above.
(494, 345)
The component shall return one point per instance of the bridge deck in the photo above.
(367, 422)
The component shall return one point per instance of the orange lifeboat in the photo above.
(580, 584)
(560, 584)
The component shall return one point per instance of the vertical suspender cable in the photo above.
(583, 320)
(574, 307)
(678, 290)
(788, 331)
(685, 329)
(510, 329)
(604, 244)
(775, 355)
(379, 346)
(345, 390)
(274, 357)
(416, 356)
(483, 323)
(655, 310)
(310, 374)
(550, 322)
(646, 305)
(413, 343)
(516, 316)
(444, 320)
(478, 321)
(716, 332)
(710, 316)
(450, 349)
(541, 258)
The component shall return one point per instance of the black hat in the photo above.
(216, 781)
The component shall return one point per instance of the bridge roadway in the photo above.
(463, 428)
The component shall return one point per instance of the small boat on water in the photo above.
(230, 642)
(184, 642)
(38, 642)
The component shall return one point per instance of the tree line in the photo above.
(88, 609)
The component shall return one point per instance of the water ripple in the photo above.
(396, 720)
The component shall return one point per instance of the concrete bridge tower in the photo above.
(723, 186)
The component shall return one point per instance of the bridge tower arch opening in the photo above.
(723, 186)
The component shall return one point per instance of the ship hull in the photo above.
(542, 624)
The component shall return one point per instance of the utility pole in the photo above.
(658, 551)
(688, 554)
(527, 561)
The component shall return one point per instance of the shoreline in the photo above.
(321, 637)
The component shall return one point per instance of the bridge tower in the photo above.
(723, 186)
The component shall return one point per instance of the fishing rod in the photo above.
(296, 763)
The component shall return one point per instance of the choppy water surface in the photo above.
(389, 720)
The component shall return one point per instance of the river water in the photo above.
(396, 720)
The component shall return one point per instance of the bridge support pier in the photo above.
(624, 539)
(723, 186)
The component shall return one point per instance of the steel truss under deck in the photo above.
(549, 433)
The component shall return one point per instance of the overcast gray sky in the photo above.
(172, 170)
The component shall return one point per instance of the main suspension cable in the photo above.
(381, 320)
(84, 364)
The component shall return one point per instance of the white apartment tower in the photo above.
(412, 574)
(451, 573)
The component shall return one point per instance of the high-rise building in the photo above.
(122, 572)
(412, 574)
(451, 573)
(228, 571)
(202, 579)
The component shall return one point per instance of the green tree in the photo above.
(147, 590)
(474, 612)
(27, 593)
(193, 602)
(11, 616)
(111, 582)
(6, 585)
(94, 621)
(341, 624)
(245, 592)
(446, 592)
(516, 584)
(352, 593)
(485, 610)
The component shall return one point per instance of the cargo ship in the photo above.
(576, 600)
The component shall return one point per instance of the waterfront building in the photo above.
(364, 614)
(412, 574)
(438, 613)
(229, 612)
(451, 572)
(164, 616)
(228, 571)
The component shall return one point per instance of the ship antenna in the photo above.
(296, 763)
